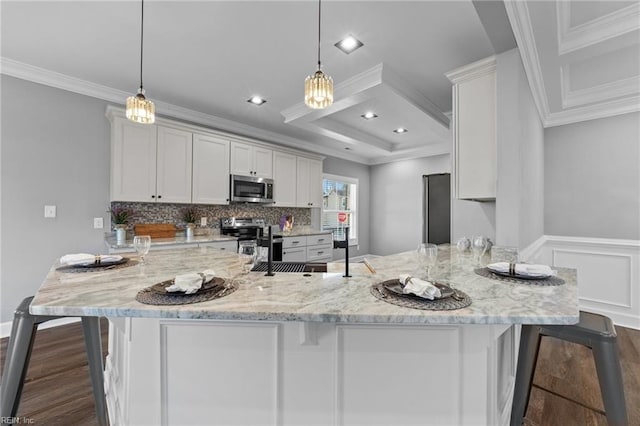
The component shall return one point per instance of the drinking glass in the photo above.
(427, 257)
(478, 245)
(247, 255)
(142, 244)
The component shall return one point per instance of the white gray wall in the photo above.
(55, 150)
(338, 166)
(396, 202)
(520, 150)
(592, 178)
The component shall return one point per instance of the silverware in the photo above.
(455, 295)
(380, 292)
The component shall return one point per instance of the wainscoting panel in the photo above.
(608, 272)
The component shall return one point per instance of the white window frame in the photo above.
(349, 180)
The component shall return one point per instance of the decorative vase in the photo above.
(189, 231)
(121, 234)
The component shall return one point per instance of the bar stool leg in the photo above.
(18, 354)
(611, 385)
(93, 346)
(527, 358)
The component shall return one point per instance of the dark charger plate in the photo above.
(520, 276)
(103, 264)
(394, 286)
(215, 283)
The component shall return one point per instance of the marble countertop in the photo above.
(323, 297)
(178, 240)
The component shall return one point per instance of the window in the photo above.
(339, 206)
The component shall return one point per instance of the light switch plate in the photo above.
(97, 223)
(203, 221)
(49, 211)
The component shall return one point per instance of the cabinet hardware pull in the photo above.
(159, 196)
(153, 196)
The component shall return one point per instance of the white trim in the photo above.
(544, 249)
(611, 25)
(473, 70)
(5, 327)
(603, 92)
(593, 112)
(518, 14)
(353, 181)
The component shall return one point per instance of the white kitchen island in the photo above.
(296, 350)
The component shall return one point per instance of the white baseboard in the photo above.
(5, 327)
(608, 272)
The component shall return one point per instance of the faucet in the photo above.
(345, 245)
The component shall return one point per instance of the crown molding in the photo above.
(473, 70)
(597, 30)
(428, 150)
(601, 93)
(592, 112)
(518, 14)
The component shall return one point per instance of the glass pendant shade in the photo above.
(140, 109)
(318, 90)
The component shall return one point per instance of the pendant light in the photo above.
(139, 108)
(318, 88)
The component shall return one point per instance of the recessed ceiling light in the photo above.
(400, 130)
(257, 100)
(349, 44)
(369, 115)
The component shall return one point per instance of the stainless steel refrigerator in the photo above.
(436, 208)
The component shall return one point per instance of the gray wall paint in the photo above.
(520, 142)
(338, 166)
(396, 202)
(469, 218)
(592, 178)
(55, 150)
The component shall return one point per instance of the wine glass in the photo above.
(142, 244)
(247, 255)
(478, 245)
(427, 257)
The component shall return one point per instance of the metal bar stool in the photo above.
(594, 331)
(23, 332)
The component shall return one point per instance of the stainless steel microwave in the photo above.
(251, 189)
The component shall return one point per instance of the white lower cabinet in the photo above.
(178, 372)
(310, 248)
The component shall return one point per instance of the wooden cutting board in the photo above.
(156, 230)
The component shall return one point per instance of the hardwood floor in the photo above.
(57, 390)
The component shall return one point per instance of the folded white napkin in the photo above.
(88, 259)
(523, 269)
(191, 282)
(419, 287)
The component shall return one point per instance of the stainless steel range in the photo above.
(248, 230)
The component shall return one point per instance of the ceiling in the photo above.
(204, 59)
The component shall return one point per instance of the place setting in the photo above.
(416, 293)
(520, 273)
(192, 287)
(85, 262)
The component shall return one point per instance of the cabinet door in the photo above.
(309, 184)
(475, 147)
(294, 254)
(241, 159)
(210, 170)
(284, 179)
(174, 157)
(133, 161)
(315, 183)
(263, 162)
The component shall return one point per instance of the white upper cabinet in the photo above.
(150, 163)
(133, 161)
(474, 130)
(173, 172)
(210, 170)
(284, 179)
(309, 183)
(251, 160)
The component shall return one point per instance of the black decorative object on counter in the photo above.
(547, 281)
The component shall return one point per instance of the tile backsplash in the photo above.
(172, 213)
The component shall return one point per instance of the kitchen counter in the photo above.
(294, 350)
(324, 297)
(110, 241)
(301, 231)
